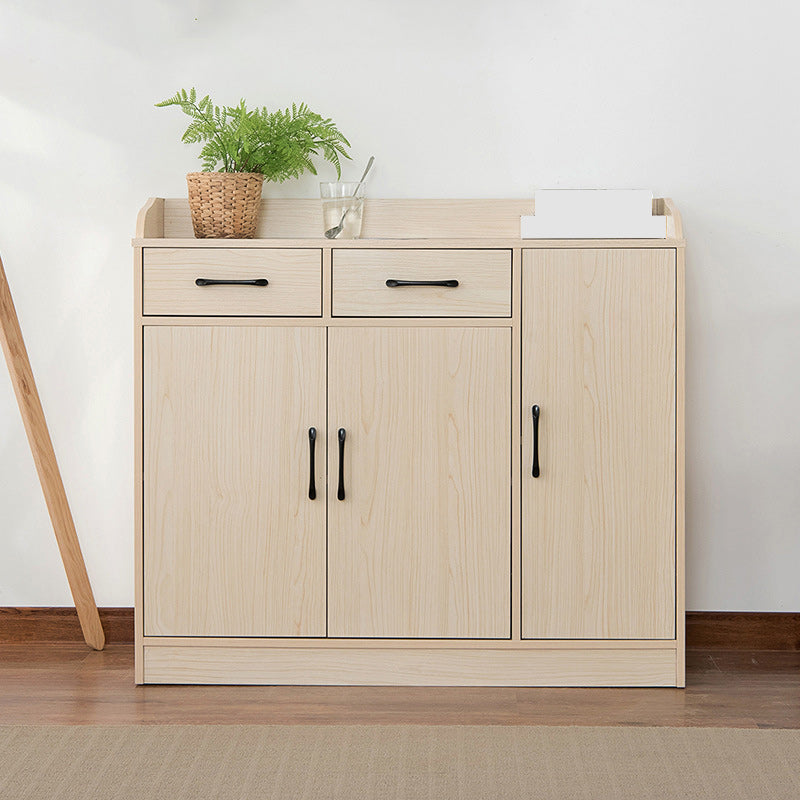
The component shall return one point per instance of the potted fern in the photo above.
(248, 147)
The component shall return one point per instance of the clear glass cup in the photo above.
(342, 209)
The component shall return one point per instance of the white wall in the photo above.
(695, 99)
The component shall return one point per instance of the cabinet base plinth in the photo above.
(419, 666)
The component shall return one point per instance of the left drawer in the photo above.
(171, 276)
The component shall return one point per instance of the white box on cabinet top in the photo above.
(593, 213)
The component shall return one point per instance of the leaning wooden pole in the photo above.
(44, 456)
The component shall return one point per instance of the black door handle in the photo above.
(392, 283)
(342, 434)
(535, 468)
(216, 282)
(312, 486)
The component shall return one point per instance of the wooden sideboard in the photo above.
(436, 455)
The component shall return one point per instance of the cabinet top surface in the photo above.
(409, 224)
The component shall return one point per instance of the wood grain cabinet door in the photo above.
(419, 547)
(598, 524)
(233, 544)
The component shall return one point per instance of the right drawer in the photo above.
(421, 283)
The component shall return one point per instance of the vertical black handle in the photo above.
(342, 434)
(535, 468)
(312, 486)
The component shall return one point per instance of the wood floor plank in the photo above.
(68, 684)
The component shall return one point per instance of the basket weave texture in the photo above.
(224, 205)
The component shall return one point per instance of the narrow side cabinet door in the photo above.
(233, 546)
(420, 544)
(598, 524)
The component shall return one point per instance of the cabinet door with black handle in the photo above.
(599, 443)
(234, 519)
(419, 539)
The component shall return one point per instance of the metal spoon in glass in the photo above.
(332, 233)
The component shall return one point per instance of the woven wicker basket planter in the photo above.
(225, 205)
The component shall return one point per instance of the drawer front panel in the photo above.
(483, 283)
(293, 289)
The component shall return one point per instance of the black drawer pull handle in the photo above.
(312, 486)
(535, 468)
(215, 282)
(392, 283)
(342, 434)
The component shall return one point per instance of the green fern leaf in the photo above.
(279, 144)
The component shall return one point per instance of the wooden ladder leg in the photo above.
(44, 456)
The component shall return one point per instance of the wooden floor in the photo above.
(69, 684)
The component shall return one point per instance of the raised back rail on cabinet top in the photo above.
(489, 223)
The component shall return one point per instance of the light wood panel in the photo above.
(294, 289)
(420, 547)
(302, 218)
(360, 290)
(401, 644)
(233, 545)
(416, 667)
(330, 322)
(665, 206)
(598, 525)
(680, 464)
(138, 463)
(150, 221)
(495, 243)
(44, 458)
(283, 218)
(516, 454)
